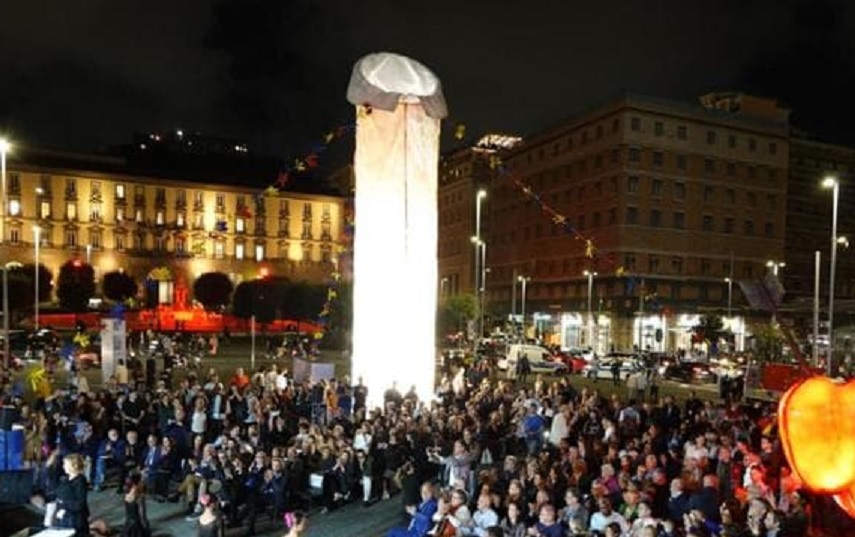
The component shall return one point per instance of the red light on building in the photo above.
(77, 263)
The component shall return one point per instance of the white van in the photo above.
(539, 358)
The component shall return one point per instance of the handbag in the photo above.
(50, 515)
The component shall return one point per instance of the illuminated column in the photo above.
(394, 251)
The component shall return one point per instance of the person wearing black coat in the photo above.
(706, 500)
(72, 507)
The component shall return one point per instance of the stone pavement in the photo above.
(168, 519)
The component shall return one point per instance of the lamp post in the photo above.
(36, 240)
(590, 276)
(775, 265)
(729, 282)
(834, 185)
(483, 288)
(476, 242)
(88, 254)
(523, 281)
(4, 149)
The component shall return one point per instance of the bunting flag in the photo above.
(590, 250)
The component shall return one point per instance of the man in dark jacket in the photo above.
(678, 503)
(706, 500)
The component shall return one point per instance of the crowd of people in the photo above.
(487, 457)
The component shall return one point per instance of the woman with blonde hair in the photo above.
(72, 507)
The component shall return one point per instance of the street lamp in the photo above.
(4, 149)
(36, 240)
(590, 276)
(729, 282)
(483, 288)
(523, 281)
(775, 265)
(834, 185)
(476, 241)
(88, 254)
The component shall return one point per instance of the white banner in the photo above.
(312, 371)
(113, 347)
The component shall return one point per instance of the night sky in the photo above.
(85, 75)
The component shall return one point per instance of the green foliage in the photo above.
(213, 290)
(118, 286)
(75, 286)
(454, 312)
(768, 343)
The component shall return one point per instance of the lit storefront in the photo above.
(650, 330)
(577, 332)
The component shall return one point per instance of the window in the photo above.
(681, 132)
(15, 235)
(307, 251)
(655, 218)
(652, 263)
(71, 238)
(139, 216)
(631, 216)
(711, 137)
(752, 145)
(748, 228)
(240, 225)
(634, 154)
(44, 210)
(769, 230)
(629, 261)
(709, 165)
(159, 217)
(679, 220)
(219, 249)
(680, 191)
(198, 221)
(71, 211)
(70, 188)
(656, 187)
(283, 227)
(259, 252)
(326, 254)
(771, 202)
(180, 245)
(677, 265)
(705, 267)
(95, 189)
(658, 128)
(615, 124)
(180, 219)
(773, 148)
(120, 214)
(728, 225)
(14, 207)
(752, 172)
(326, 234)
(597, 222)
(181, 198)
(240, 250)
(730, 195)
(307, 230)
(45, 184)
(709, 194)
(580, 225)
(198, 198)
(707, 224)
(307, 210)
(635, 124)
(95, 211)
(658, 159)
(119, 243)
(326, 211)
(160, 196)
(731, 169)
(120, 191)
(220, 203)
(139, 241)
(731, 141)
(682, 162)
(612, 216)
(752, 199)
(14, 184)
(95, 238)
(632, 183)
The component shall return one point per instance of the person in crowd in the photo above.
(421, 516)
(72, 505)
(136, 518)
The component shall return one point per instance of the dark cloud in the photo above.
(87, 74)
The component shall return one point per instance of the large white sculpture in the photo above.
(395, 244)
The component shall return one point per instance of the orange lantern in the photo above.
(816, 420)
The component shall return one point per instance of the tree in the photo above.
(213, 290)
(710, 328)
(303, 301)
(22, 290)
(119, 286)
(45, 281)
(455, 312)
(75, 285)
(255, 297)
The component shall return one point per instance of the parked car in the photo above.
(540, 359)
(691, 372)
(575, 363)
(602, 369)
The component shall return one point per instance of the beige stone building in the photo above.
(95, 209)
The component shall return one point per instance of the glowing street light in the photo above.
(36, 240)
(590, 276)
(834, 185)
(729, 282)
(523, 282)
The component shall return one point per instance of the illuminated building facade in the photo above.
(98, 209)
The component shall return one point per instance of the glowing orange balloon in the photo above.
(846, 501)
(816, 420)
